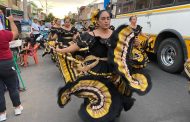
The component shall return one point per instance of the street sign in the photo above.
(106, 3)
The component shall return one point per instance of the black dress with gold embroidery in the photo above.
(65, 66)
(67, 36)
(52, 42)
(138, 56)
(55, 30)
(98, 47)
(137, 30)
(106, 91)
(103, 102)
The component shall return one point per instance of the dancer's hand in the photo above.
(150, 40)
(59, 50)
(188, 60)
(72, 42)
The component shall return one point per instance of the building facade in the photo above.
(35, 12)
(85, 11)
(15, 5)
(32, 10)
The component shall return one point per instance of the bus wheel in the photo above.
(170, 56)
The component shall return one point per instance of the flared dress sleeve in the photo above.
(85, 40)
(74, 30)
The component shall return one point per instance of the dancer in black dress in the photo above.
(187, 71)
(67, 36)
(69, 33)
(106, 90)
(55, 31)
(138, 52)
(53, 37)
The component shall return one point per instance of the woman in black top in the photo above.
(105, 92)
(55, 31)
(138, 52)
(53, 37)
(68, 33)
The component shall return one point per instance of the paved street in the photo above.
(168, 100)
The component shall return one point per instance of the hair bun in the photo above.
(94, 16)
(67, 17)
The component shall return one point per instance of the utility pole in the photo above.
(25, 3)
(46, 7)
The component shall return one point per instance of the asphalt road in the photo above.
(168, 100)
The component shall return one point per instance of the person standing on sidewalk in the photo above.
(8, 75)
(35, 29)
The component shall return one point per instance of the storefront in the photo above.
(3, 5)
(17, 14)
(18, 17)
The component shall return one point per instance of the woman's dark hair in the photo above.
(100, 13)
(55, 20)
(31, 41)
(131, 17)
(27, 39)
(67, 18)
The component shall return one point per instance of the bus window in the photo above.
(159, 3)
(142, 4)
(124, 6)
(182, 1)
(128, 7)
(119, 8)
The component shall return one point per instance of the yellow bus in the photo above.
(167, 21)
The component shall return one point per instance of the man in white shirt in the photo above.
(35, 28)
(42, 25)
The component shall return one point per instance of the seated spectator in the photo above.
(25, 49)
(29, 49)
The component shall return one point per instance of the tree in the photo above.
(33, 4)
(50, 17)
(40, 10)
(73, 21)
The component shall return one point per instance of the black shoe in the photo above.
(128, 103)
(45, 53)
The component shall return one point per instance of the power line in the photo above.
(41, 3)
(46, 5)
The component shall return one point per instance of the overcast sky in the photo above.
(60, 8)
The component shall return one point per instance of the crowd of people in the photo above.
(101, 64)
